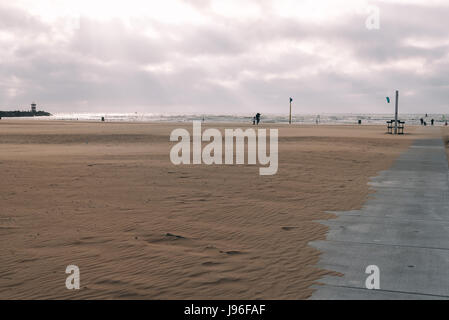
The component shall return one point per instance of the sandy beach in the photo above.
(105, 197)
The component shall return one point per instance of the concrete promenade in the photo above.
(403, 229)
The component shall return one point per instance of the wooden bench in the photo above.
(390, 126)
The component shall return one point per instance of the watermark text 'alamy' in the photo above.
(212, 153)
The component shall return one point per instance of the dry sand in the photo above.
(105, 197)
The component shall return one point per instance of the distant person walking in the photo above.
(445, 124)
(422, 121)
(258, 118)
(254, 121)
(432, 122)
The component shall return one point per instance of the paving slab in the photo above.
(403, 228)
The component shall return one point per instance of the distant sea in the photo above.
(343, 119)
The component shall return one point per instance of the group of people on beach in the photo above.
(256, 119)
(424, 123)
(432, 122)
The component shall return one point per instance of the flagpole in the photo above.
(396, 113)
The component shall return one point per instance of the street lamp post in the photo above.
(290, 117)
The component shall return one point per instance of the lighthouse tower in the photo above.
(33, 108)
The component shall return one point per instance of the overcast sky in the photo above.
(224, 56)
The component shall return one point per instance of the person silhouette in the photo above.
(258, 118)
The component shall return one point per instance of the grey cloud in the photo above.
(226, 66)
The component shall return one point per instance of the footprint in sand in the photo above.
(288, 228)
